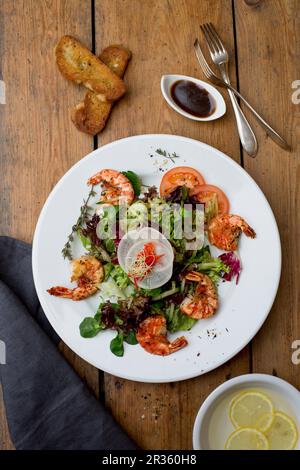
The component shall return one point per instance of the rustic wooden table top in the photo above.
(39, 143)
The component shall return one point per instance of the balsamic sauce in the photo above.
(193, 98)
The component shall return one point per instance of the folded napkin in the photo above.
(47, 404)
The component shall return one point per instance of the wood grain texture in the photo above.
(161, 36)
(161, 416)
(268, 57)
(5, 441)
(38, 140)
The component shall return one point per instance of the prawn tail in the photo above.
(177, 344)
(59, 291)
(249, 232)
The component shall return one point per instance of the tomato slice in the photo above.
(181, 176)
(205, 193)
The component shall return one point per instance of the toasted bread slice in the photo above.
(116, 57)
(80, 65)
(91, 115)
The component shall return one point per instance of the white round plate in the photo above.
(243, 307)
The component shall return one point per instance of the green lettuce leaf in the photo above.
(176, 320)
(89, 327)
(117, 346)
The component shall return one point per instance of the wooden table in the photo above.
(39, 143)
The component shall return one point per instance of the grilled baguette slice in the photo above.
(80, 65)
(91, 115)
(116, 57)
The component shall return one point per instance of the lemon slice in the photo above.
(252, 409)
(247, 439)
(283, 433)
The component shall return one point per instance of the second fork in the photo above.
(220, 58)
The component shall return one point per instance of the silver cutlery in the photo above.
(220, 58)
(211, 76)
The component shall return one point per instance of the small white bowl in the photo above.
(212, 425)
(166, 84)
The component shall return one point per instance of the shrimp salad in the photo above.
(152, 276)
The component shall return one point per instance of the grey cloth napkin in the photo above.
(47, 404)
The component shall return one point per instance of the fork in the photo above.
(211, 76)
(220, 58)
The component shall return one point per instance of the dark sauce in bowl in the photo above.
(193, 98)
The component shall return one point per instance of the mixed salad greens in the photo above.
(124, 305)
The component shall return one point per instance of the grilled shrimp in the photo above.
(204, 302)
(224, 231)
(116, 187)
(88, 272)
(152, 336)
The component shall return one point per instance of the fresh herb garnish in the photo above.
(161, 152)
(168, 155)
(83, 217)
